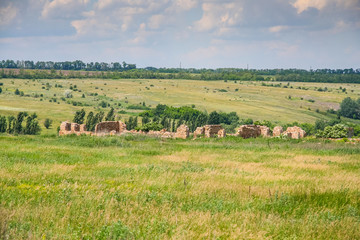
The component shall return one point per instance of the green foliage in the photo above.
(3, 124)
(17, 92)
(151, 126)
(32, 125)
(103, 104)
(79, 116)
(138, 107)
(350, 108)
(1, 90)
(110, 116)
(18, 122)
(47, 123)
(336, 131)
(131, 123)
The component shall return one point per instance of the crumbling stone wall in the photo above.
(67, 128)
(200, 131)
(104, 128)
(277, 131)
(249, 131)
(212, 130)
(295, 132)
(221, 133)
(265, 131)
(182, 132)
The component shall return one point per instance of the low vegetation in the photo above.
(135, 187)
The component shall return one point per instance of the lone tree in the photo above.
(47, 123)
(350, 108)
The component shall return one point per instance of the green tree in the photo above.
(0, 90)
(110, 116)
(32, 125)
(17, 92)
(47, 123)
(350, 108)
(214, 118)
(18, 122)
(11, 122)
(79, 116)
(89, 121)
(3, 124)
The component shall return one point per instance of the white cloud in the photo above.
(63, 8)
(7, 14)
(276, 29)
(219, 15)
(303, 5)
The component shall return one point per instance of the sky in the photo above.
(198, 34)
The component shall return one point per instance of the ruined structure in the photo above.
(67, 128)
(212, 130)
(295, 132)
(249, 131)
(200, 131)
(182, 132)
(277, 131)
(104, 128)
(265, 131)
(221, 133)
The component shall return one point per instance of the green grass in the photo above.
(251, 100)
(134, 187)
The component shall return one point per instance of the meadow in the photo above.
(138, 187)
(135, 187)
(280, 105)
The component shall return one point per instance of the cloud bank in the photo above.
(208, 33)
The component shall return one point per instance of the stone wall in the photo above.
(295, 132)
(104, 128)
(249, 131)
(200, 131)
(221, 133)
(277, 131)
(67, 128)
(212, 130)
(265, 131)
(182, 132)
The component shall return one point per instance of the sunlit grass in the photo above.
(136, 187)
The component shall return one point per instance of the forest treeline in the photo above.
(117, 70)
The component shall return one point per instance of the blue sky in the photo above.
(163, 33)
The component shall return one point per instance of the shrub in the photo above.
(336, 131)
(47, 123)
(153, 126)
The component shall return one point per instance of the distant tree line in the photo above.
(68, 65)
(14, 125)
(116, 70)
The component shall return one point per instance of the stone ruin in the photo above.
(212, 130)
(277, 131)
(118, 128)
(200, 131)
(249, 131)
(209, 131)
(110, 127)
(182, 132)
(294, 132)
(265, 131)
(67, 128)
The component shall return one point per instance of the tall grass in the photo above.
(135, 187)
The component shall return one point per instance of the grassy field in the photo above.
(147, 188)
(248, 99)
